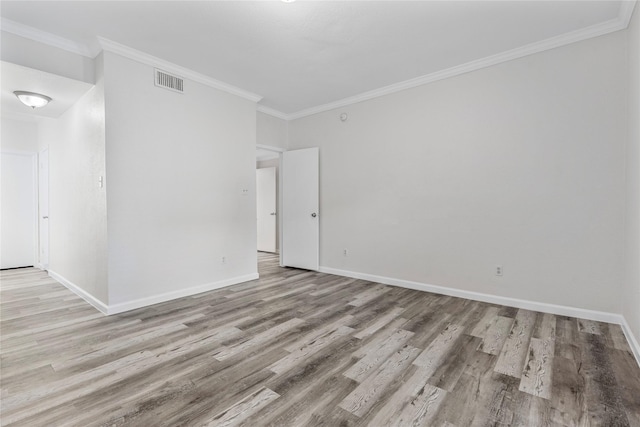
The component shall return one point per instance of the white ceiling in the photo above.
(305, 54)
(63, 91)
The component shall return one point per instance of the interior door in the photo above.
(43, 205)
(300, 246)
(18, 216)
(266, 208)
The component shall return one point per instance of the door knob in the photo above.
(45, 217)
(314, 215)
(272, 213)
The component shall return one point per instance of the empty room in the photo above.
(320, 213)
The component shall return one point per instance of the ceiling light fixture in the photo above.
(31, 99)
(287, 1)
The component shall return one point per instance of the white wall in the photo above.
(77, 206)
(39, 56)
(520, 165)
(631, 294)
(271, 131)
(176, 168)
(18, 135)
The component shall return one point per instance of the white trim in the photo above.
(631, 339)
(270, 148)
(625, 12)
(493, 299)
(80, 292)
(619, 23)
(561, 310)
(145, 58)
(168, 296)
(540, 46)
(151, 300)
(280, 204)
(24, 153)
(272, 112)
(35, 34)
(39, 242)
(36, 205)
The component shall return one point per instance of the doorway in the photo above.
(266, 206)
(268, 213)
(19, 209)
(297, 203)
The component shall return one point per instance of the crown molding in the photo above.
(619, 23)
(145, 58)
(46, 38)
(109, 45)
(551, 43)
(272, 112)
(626, 10)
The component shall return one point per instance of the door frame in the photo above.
(279, 204)
(268, 175)
(39, 264)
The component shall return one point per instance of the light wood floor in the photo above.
(300, 348)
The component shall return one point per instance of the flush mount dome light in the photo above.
(31, 99)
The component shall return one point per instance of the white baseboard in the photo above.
(80, 292)
(154, 299)
(561, 310)
(631, 339)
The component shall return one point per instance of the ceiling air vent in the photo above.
(168, 81)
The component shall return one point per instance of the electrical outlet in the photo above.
(223, 260)
(499, 270)
(345, 252)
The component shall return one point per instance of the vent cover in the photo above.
(168, 81)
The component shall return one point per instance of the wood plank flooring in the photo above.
(299, 348)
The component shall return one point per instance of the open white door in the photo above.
(43, 205)
(300, 246)
(266, 208)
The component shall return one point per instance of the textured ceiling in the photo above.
(304, 54)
